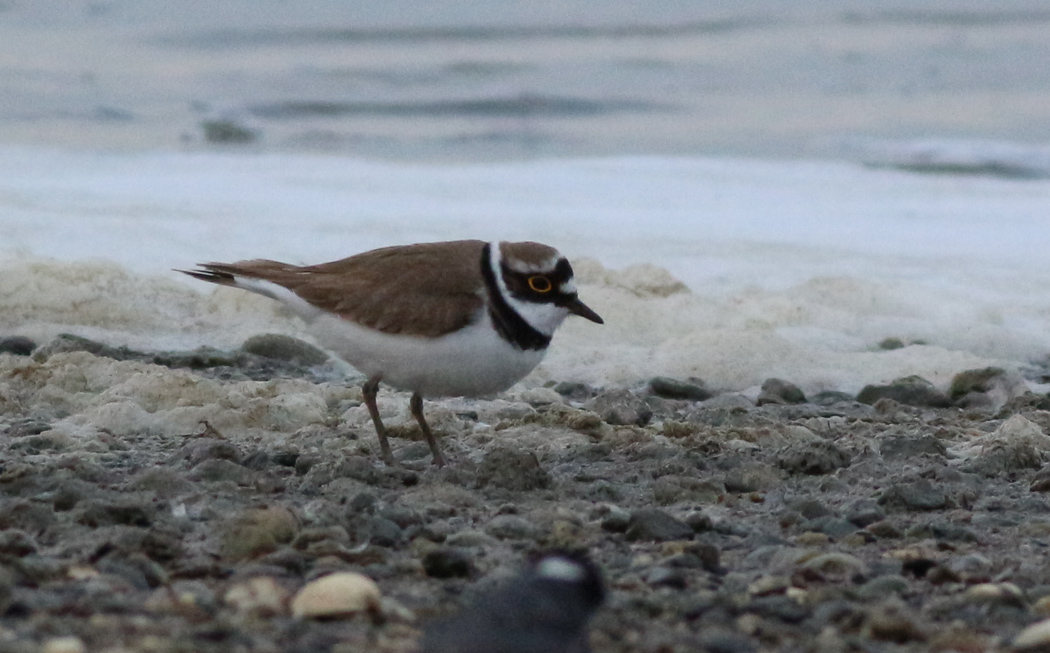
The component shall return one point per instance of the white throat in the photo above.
(544, 317)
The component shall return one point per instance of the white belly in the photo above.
(471, 362)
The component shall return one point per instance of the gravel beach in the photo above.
(192, 501)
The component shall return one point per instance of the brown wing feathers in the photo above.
(425, 290)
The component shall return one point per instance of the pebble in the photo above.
(620, 408)
(917, 495)
(864, 512)
(692, 389)
(337, 594)
(64, 645)
(284, 348)
(907, 447)
(813, 458)
(1033, 638)
(512, 527)
(836, 566)
(909, 390)
(656, 526)
(779, 391)
(17, 345)
(512, 469)
(262, 596)
(447, 563)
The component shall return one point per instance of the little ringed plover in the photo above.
(461, 318)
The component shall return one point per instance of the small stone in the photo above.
(882, 587)
(285, 348)
(337, 594)
(616, 520)
(217, 471)
(884, 529)
(257, 532)
(907, 447)
(512, 469)
(447, 563)
(891, 343)
(909, 390)
(620, 408)
(656, 526)
(836, 566)
(96, 514)
(779, 391)
(262, 596)
(893, 623)
(813, 458)
(864, 512)
(692, 389)
(512, 527)
(69, 644)
(16, 543)
(918, 495)
(17, 345)
(1033, 638)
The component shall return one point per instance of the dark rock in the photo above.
(198, 450)
(692, 389)
(968, 381)
(385, 532)
(909, 390)
(512, 469)
(666, 577)
(699, 522)
(228, 132)
(17, 543)
(831, 526)
(67, 342)
(223, 470)
(284, 348)
(780, 607)
(26, 516)
(811, 508)
(97, 513)
(574, 391)
(903, 447)
(620, 407)
(657, 526)
(447, 563)
(17, 345)
(779, 391)
(891, 343)
(950, 532)
(830, 398)
(403, 516)
(813, 458)
(727, 642)
(751, 477)
(512, 527)
(864, 512)
(918, 495)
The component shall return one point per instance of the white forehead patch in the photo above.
(568, 287)
(561, 569)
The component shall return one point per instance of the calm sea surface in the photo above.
(459, 80)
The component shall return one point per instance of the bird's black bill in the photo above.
(576, 307)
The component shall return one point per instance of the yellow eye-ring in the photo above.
(540, 284)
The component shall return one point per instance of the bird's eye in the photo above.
(540, 284)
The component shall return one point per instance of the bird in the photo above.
(465, 318)
(544, 610)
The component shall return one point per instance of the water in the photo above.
(452, 80)
(739, 186)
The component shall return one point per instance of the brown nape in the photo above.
(369, 390)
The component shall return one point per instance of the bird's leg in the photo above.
(369, 390)
(417, 411)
